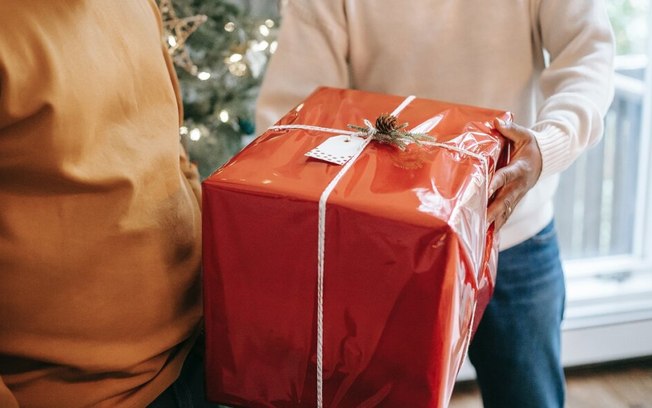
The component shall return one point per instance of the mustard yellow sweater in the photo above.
(99, 223)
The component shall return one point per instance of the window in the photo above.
(604, 211)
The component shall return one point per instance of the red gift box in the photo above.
(378, 308)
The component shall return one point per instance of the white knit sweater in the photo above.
(477, 52)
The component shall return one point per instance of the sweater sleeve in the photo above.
(312, 52)
(577, 84)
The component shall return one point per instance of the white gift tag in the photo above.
(337, 149)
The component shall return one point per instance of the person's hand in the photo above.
(511, 182)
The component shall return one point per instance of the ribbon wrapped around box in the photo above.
(355, 285)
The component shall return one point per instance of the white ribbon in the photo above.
(321, 238)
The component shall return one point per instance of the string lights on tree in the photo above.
(221, 52)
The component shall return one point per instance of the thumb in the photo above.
(512, 131)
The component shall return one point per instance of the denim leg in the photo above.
(516, 350)
(188, 391)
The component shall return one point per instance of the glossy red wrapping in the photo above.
(409, 259)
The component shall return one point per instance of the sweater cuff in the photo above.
(554, 145)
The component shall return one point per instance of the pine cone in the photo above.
(386, 123)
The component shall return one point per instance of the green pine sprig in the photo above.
(387, 130)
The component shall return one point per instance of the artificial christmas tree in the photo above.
(220, 49)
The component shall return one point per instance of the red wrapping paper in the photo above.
(409, 259)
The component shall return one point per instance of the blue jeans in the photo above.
(188, 391)
(516, 350)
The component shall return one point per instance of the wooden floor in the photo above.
(618, 385)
